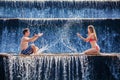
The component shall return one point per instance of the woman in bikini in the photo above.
(92, 38)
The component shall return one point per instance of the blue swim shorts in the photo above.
(27, 51)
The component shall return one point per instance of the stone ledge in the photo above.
(62, 54)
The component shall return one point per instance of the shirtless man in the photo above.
(29, 49)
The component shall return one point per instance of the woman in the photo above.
(92, 38)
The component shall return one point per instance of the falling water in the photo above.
(57, 67)
(60, 34)
(60, 9)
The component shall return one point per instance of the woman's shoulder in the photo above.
(92, 34)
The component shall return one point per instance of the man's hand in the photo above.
(35, 35)
(40, 34)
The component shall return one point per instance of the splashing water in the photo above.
(65, 36)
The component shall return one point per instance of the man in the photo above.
(29, 49)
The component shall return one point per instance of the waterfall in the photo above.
(59, 21)
(60, 51)
(57, 67)
(60, 34)
(59, 9)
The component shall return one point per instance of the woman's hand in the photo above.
(78, 34)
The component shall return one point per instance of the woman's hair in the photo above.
(92, 30)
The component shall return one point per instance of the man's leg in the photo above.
(35, 49)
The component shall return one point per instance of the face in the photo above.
(89, 30)
(27, 33)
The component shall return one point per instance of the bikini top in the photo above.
(90, 40)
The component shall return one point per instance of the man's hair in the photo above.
(25, 30)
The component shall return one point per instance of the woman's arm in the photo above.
(85, 39)
(79, 35)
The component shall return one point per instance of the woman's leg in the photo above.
(91, 51)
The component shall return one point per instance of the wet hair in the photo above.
(25, 30)
(92, 30)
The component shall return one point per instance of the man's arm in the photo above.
(34, 38)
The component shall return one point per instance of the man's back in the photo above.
(24, 43)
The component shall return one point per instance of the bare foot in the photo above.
(92, 53)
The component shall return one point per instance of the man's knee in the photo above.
(33, 46)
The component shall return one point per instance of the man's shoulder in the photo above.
(25, 37)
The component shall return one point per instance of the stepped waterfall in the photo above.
(60, 56)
